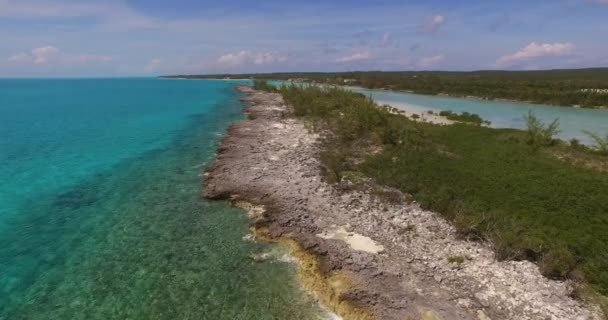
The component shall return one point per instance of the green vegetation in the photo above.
(263, 85)
(492, 183)
(601, 143)
(464, 117)
(580, 87)
(540, 134)
(457, 259)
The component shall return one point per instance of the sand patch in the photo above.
(409, 111)
(354, 240)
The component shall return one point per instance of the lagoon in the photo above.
(502, 114)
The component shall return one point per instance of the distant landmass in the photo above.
(587, 88)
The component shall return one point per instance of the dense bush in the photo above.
(489, 182)
(464, 117)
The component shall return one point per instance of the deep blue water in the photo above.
(100, 209)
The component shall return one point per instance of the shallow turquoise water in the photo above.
(503, 114)
(100, 208)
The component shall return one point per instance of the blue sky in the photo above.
(151, 37)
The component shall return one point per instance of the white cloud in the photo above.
(358, 56)
(47, 54)
(244, 60)
(246, 57)
(20, 57)
(432, 24)
(40, 55)
(235, 59)
(537, 50)
(430, 61)
(387, 40)
(44, 54)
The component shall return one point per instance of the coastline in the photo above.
(478, 98)
(410, 111)
(272, 161)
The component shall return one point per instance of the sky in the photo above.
(86, 38)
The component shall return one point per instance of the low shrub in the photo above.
(557, 262)
(601, 143)
(457, 259)
(263, 85)
(539, 133)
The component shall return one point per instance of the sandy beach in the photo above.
(417, 113)
(362, 256)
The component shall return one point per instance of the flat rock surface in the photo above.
(398, 255)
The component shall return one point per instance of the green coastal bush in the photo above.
(601, 143)
(489, 182)
(464, 117)
(539, 133)
(263, 85)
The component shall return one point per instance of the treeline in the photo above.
(503, 185)
(557, 87)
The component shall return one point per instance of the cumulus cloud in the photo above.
(537, 50)
(432, 24)
(43, 54)
(358, 56)
(246, 57)
(430, 61)
(39, 55)
(387, 40)
(47, 54)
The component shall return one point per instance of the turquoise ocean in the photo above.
(101, 214)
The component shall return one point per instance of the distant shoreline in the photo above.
(478, 98)
(210, 79)
(577, 88)
(442, 94)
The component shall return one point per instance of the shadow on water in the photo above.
(138, 242)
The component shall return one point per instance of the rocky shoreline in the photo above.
(363, 256)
